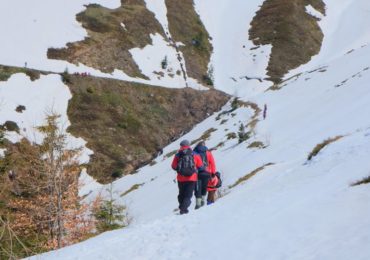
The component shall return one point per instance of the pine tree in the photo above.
(46, 210)
(109, 215)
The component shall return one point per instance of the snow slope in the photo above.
(47, 24)
(345, 27)
(290, 211)
(228, 24)
(293, 209)
(40, 97)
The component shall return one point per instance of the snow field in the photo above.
(232, 60)
(294, 209)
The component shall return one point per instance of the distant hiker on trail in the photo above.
(213, 184)
(186, 164)
(264, 111)
(204, 173)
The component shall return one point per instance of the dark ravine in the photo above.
(295, 35)
(126, 124)
(186, 27)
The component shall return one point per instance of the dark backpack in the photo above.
(219, 183)
(204, 159)
(186, 164)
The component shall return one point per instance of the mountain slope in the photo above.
(294, 209)
(278, 201)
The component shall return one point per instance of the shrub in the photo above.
(164, 63)
(234, 104)
(242, 134)
(20, 108)
(257, 144)
(108, 214)
(118, 173)
(208, 80)
(231, 135)
(11, 126)
(66, 77)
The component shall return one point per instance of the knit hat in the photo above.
(185, 143)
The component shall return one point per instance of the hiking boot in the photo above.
(198, 203)
(203, 202)
(185, 211)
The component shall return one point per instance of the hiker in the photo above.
(186, 164)
(204, 173)
(213, 184)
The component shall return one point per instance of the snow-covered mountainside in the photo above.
(287, 190)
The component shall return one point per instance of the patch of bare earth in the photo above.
(126, 124)
(186, 27)
(294, 34)
(111, 34)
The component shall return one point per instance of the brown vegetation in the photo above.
(7, 71)
(108, 43)
(320, 146)
(126, 124)
(186, 27)
(39, 204)
(249, 175)
(294, 34)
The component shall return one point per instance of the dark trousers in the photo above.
(202, 183)
(211, 197)
(186, 190)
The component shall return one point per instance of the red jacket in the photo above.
(213, 181)
(198, 163)
(211, 168)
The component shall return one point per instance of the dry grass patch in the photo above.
(133, 187)
(170, 154)
(204, 136)
(365, 180)
(320, 146)
(249, 175)
(231, 135)
(257, 144)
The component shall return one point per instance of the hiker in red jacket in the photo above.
(186, 163)
(213, 183)
(204, 173)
